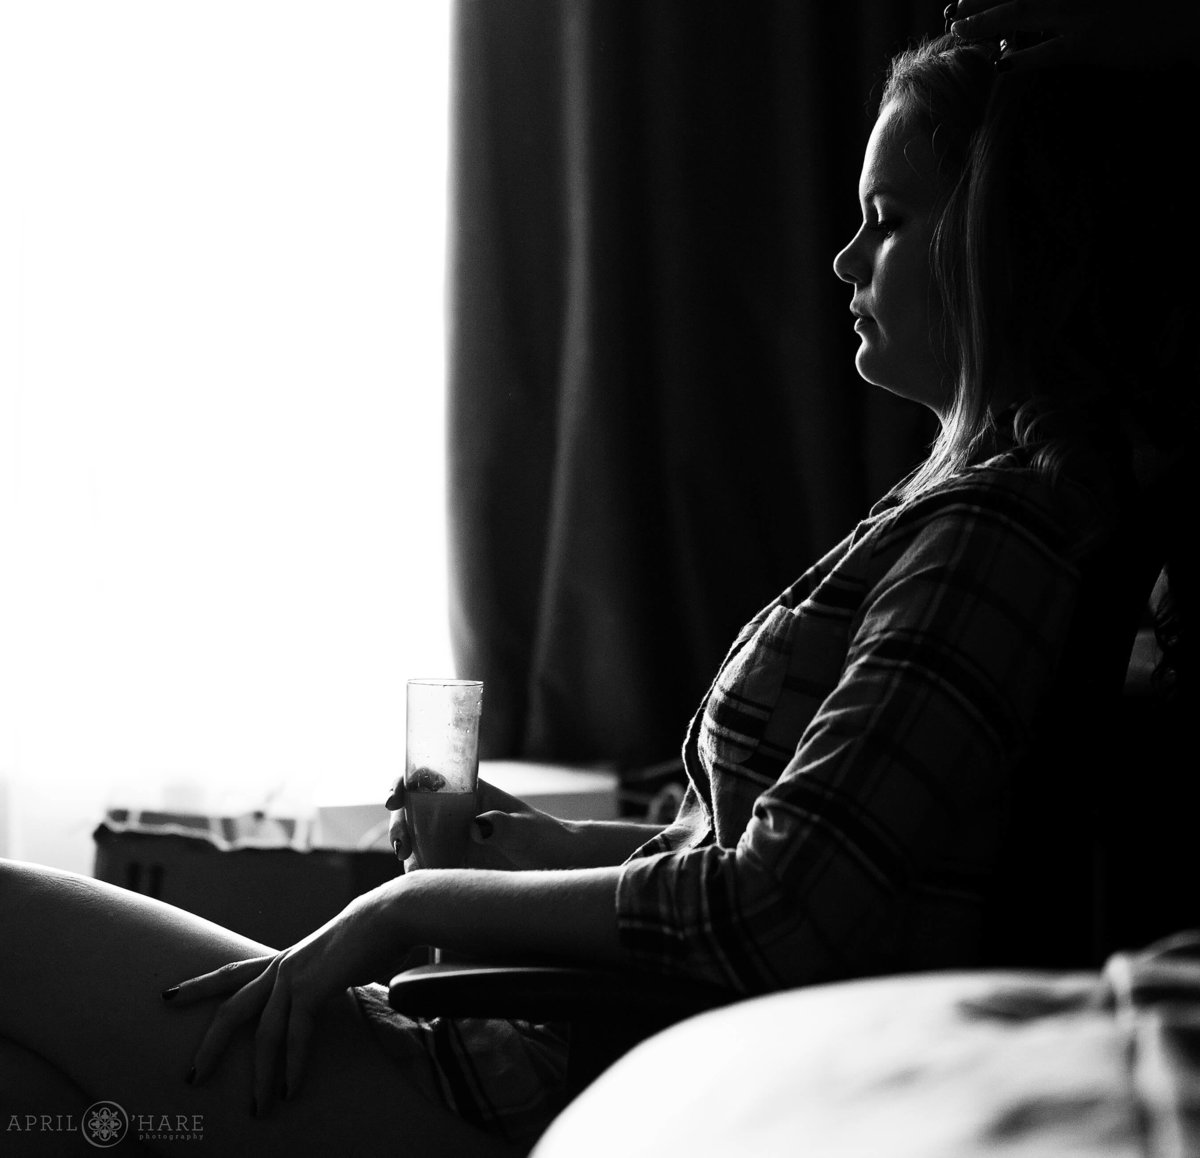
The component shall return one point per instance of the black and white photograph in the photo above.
(589, 578)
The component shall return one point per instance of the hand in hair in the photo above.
(1041, 33)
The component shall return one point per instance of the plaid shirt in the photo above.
(848, 769)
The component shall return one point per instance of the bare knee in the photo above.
(32, 895)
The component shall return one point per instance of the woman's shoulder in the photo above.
(1006, 495)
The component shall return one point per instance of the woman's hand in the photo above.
(510, 834)
(507, 833)
(398, 833)
(1112, 32)
(282, 995)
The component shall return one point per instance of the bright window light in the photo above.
(221, 398)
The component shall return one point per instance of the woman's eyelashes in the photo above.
(885, 226)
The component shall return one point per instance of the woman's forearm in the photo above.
(566, 914)
(510, 833)
(608, 842)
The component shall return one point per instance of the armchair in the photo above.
(608, 1011)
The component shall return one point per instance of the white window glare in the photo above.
(222, 539)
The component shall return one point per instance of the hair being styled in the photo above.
(1060, 297)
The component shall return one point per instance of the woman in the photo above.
(852, 767)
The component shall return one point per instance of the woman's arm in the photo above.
(565, 914)
(533, 839)
(508, 833)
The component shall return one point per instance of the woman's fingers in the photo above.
(276, 997)
(399, 836)
(518, 840)
(489, 799)
(490, 845)
(1018, 15)
(269, 1041)
(300, 1029)
(281, 1037)
(398, 826)
(1056, 50)
(252, 984)
(1038, 33)
(228, 979)
(245, 1005)
(985, 19)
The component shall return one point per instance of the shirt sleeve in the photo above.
(899, 778)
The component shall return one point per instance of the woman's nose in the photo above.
(849, 265)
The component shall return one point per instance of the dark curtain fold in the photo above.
(654, 419)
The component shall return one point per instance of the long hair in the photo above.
(944, 86)
(1061, 295)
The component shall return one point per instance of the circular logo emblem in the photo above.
(104, 1124)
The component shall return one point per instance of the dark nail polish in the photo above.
(191, 1076)
(167, 994)
(484, 826)
(254, 1108)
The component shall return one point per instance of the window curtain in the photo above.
(654, 419)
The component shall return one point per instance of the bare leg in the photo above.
(40, 1108)
(81, 972)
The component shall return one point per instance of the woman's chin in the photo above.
(867, 363)
(934, 398)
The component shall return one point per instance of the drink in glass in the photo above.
(441, 768)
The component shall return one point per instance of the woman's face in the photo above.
(887, 262)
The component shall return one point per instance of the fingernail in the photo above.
(167, 994)
(191, 1075)
(484, 826)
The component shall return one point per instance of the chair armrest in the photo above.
(551, 993)
(608, 1011)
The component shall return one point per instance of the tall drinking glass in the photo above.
(441, 768)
